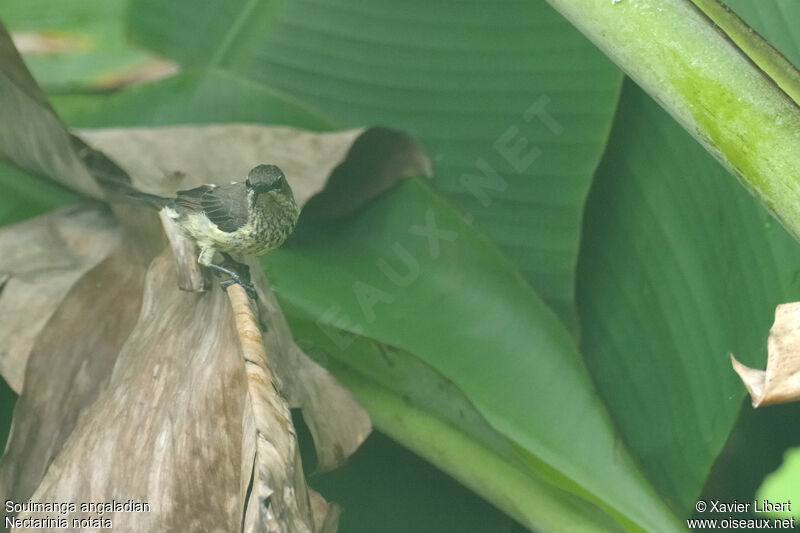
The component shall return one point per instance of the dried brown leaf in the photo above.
(279, 499)
(32, 136)
(338, 424)
(163, 160)
(167, 429)
(69, 367)
(166, 420)
(191, 277)
(42, 258)
(378, 159)
(780, 382)
(326, 515)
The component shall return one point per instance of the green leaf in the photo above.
(428, 414)
(26, 196)
(192, 97)
(410, 273)
(387, 488)
(748, 457)
(781, 487)
(75, 45)
(474, 84)
(679, 267)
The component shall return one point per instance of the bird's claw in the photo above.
(239, 273)
(247, 286)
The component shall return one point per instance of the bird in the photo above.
(240, 218)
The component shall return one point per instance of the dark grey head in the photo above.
(265, 178)
(264, 175)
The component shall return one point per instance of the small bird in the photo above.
(249, 218)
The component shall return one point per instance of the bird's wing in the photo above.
(192, 199)
(224, 205)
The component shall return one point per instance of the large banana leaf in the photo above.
(680, 267)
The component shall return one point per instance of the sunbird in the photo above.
(241, 218)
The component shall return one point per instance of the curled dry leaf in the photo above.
(374, 163)
(780, 382)
(279, 499)
(338, 424)
(183, 157)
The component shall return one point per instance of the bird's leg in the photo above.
(238, 272)
(206, 256)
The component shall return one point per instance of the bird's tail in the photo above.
(151, 200)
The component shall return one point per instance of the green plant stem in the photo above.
(477, 467)
(722, 82)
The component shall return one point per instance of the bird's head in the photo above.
(267, 178)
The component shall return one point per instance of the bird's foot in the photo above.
(247, 286)
(238, 272)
